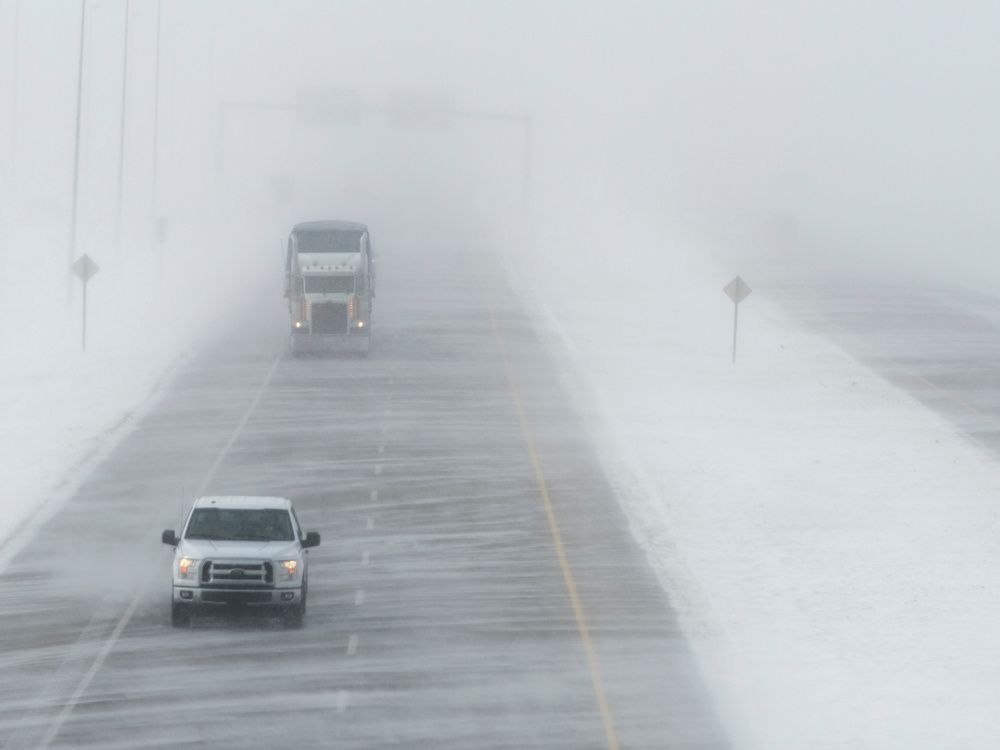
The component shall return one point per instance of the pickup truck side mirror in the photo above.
(311, 540)
(169, 537)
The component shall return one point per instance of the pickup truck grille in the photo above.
(236, 573)
(236, 597)
(329, 318)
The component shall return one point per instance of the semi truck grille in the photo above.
(329, 318)
(236, 573)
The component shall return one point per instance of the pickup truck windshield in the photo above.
(340, 241)
(238, 524)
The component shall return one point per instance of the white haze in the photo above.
(859, 131)
(773, 138)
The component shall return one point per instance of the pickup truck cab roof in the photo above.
(243, 501)
(329, 226)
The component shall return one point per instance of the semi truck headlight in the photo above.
(298, 323)
(289, 569)
(186, 567)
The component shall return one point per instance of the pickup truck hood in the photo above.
(199, 549)
(339, 262)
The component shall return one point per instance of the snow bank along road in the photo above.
(477, 586)
(828, 542)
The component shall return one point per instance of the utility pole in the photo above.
(154, 209)
(121, 135)
(526, 163)
(76, 146)
(15, 52)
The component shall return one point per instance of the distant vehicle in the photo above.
(245, 551)
(330, 283)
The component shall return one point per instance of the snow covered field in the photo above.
(61, 408)
(831, 544)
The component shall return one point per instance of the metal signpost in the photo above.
(737, 290)
(85, 268)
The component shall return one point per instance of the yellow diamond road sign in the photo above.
(737, 290)
(85, 267)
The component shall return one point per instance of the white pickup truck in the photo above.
(242, 551)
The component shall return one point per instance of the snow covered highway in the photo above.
(938, 343)
(477, 585)
(665, 409)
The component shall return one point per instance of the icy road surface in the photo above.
(477, 586)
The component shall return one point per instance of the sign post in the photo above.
(84, 267)
(737, 290)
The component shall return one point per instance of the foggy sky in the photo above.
(850, 130)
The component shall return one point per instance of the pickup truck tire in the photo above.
(180, 615)
(294, 616)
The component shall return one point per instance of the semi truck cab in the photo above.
(329, 283)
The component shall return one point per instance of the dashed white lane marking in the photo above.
(373, 496)
(352, 645)
(239, 428)
(342, 698)
(371, 523)
(359, 597)
(366, 557)
(378, 471)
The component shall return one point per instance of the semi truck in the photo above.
(329, 284)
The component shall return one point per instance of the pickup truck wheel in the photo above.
(180, 615)
(295, 616)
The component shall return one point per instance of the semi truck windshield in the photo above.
(328, 284)
(342, 241)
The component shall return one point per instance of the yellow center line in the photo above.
(593, 662)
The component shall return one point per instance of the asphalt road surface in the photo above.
(477, 585)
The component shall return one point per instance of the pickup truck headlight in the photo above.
(187, 568)
(288, 570)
